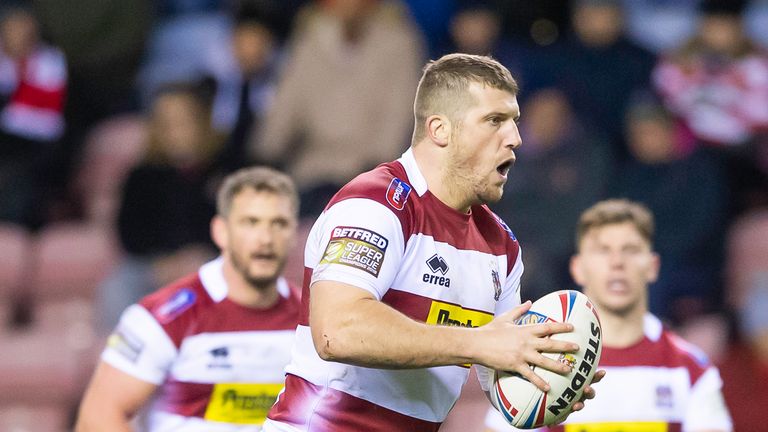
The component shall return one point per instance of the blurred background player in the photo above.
(210, 347)
(655, 381)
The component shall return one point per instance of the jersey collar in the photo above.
(415, 177)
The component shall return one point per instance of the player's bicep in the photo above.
(332, 307)
(113, 396)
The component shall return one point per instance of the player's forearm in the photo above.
(104, 420)
(375, 335)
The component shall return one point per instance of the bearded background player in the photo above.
(656, 382)
(209, 350)
(368, 353)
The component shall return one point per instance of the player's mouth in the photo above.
(263, 257)
(504, 168)
(618, 286)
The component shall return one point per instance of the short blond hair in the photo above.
(444, 86)
(616, 211)
(260, 179)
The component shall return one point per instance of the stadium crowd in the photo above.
(119, 120)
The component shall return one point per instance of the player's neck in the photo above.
(622, 330)
(245, 294)
(439, 182)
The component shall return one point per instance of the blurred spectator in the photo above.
(717, 84)
(688, 195)
(561, 170)
(343, 99)
(244, 76)
(33, 83)
(598, 67)
(168, 201)
(103, 41)
(756, 21)
(660, 25)
(718, 81)
(476, 29)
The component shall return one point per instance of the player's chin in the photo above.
(264, 272)
(493, 194)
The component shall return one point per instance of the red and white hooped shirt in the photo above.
(219, 365)
(386, 233)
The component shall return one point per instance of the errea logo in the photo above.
(437, 264)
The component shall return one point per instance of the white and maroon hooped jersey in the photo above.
(219, 365)
(660, 384)
(386, 233)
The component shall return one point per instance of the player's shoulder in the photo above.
(494, 221)
(496, 232)
(676, 351)
(387, 184)
(685, 351)
(177, 300)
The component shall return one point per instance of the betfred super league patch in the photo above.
(356, 247)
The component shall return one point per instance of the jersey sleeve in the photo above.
(140, 347)
(706, 407)
(358, 242)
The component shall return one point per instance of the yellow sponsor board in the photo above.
(618, 427)
(241, 403)
(450, 314)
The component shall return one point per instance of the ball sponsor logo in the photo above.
(579, 380)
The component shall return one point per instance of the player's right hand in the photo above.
(504, 345)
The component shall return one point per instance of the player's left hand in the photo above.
(589, 392)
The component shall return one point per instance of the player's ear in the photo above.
(219, 232)
(653, 270)
(576, 270)
(439, 129)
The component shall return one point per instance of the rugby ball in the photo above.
(521, 403)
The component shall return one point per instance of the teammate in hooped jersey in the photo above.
(210, 349)
(656, 382)
(410, 278)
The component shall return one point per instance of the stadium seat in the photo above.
(33, 418)
(112, 147)
(39, 366)
(71, 259)
(14, 258)
(14, 270)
